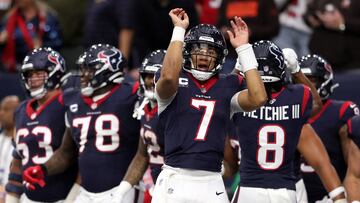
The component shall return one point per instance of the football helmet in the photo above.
(45, 59)
(204, 40)
(314, 66)
(105, 62)
(150, 65)
(271, 61)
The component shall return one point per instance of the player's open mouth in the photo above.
(202, 67)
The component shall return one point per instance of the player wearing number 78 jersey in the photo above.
(104, 136)
(270, 136)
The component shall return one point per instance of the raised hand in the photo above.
(179, 18)
(240, 32)
(32, 176)
(291, 60)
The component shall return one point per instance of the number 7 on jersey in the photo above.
(206, 118)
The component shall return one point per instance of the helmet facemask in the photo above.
(204, 61)
(35, 83)
(148, 86)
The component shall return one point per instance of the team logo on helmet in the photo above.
(111, 56)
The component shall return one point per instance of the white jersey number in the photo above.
(266, 147)
(153, 147)
(103, 131)
(44, 144)
(205, 121)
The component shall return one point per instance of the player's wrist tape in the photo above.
(246, 57)
(11, 188)
(340, 201)
(124, 187)
(356, 201)
(11, 199)
(337, 191)
(15, 177)
(44, 169)
(178, 34)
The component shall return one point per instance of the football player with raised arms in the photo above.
(101, 132)
(327, 124)
(194, 105)
(150, 148)
(40, 127)
(270, 135)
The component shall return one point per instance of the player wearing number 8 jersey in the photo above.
(40, 127)
(104, 135)
(194, 108)
(270, 136)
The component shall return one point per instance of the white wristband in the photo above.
(341, 201)
(178, 34)
(124, 187)
(247, 57)
(337, 191)
(356, 201)
(11, 199)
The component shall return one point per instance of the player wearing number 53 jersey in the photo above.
(270, 136)
(103, 134)
(40, 125)
(194, 108)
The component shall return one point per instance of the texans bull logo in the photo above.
(111, 56)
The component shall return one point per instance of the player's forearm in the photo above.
(352, 185)
(170, 72)
(257, 94)
(59, 162)
(137, 169)
(300, 78)
(125, 41)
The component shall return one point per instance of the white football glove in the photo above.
(291, 60)
(121, 191)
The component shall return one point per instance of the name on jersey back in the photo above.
(275, 113)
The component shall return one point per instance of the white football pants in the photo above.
(175, 185)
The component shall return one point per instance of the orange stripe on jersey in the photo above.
(242, 9)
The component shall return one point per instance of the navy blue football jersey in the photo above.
(154, 143)
(269, 137)
(105, 134)
(234, 141)
(195, 121)
(38, 134)
(327, 124)
(354, 129)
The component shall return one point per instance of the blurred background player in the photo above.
(8, 106)
(270, 135)
(151, 147)
(96, 116)
(194, 108)
(326, 123)
(40, 126)
(352, 178)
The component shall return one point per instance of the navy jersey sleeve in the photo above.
(307, 103)
(347, 110)
(354, 129)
